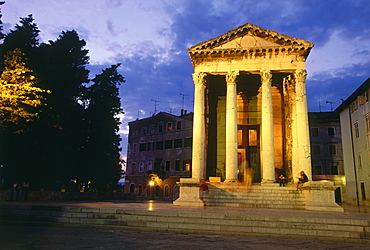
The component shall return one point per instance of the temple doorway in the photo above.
(249, 152)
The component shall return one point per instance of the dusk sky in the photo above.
(150, 38)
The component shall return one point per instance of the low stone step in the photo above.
(188, 222)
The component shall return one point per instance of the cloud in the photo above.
(334, 85)
(150, 39)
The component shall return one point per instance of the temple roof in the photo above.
(249, 36)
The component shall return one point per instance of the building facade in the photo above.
(326, 150)
(355, 125)
(158, 154)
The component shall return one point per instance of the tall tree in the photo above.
(102, 159)
(1, 23)
(25, 36)
(17, 150)
(62, 69)
(19, 97)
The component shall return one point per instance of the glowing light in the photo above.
(151, 183)
(150, 206)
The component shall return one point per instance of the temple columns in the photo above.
(303, 154)
(267, 129)
(231, 128)
(190, 194)
(199, 127)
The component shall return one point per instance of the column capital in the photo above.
(199, 78)
(300, 75)
(231, 77)
(266, 76)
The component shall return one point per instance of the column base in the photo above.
(320, 196)
(268, 182)
(190, 193)
(230, 181)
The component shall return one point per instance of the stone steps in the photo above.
(267, 196)
(217, 223)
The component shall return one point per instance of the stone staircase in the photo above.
(215, 222)
(262, 196)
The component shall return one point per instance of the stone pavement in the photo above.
(80, 238)
(12, 237)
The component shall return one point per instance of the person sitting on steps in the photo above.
(302, 179)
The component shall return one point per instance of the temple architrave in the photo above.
(250, 110)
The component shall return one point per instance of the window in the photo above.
(168, 166)
(142, 147)
(158, 145)
(314, 132)
(187, 165)
(143, 131)
(132, 188)
(150, 146)
(140, 190)
(157, 191)
(178, 125)
(330, 131)
(133, 168)
(187, 142)
(357, 132)
(332, 149)
(141, 167)
(363, 191)
(353, 107)
(150, 166)
(359, 162)
(167, 144)
(178, 143)
(316, 149)
(318, 170)
(169, 126)
(334, 170)
(152, 129)
(177, 165)
(160, 127)
(253, 137)
(167, 191)
(134, 148)
(367, 122)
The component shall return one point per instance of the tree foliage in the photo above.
(102, 124)
(71, 122)
(19, 97)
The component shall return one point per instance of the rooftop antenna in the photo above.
(320, 105)
(155, 105)
(331, 105)
(183, 98)
(170, 110)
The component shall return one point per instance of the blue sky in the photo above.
(150, 37)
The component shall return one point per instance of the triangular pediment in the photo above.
(245, 42)
(250, 36)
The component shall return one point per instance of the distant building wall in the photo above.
(355, 125)
(159, 150)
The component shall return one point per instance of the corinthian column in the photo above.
(231, 128)
(199, 131)
(267, 130)
(302, 128)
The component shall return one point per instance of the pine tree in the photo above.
(102, 159)
(19, 97)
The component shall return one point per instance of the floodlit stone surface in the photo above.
(250, 117)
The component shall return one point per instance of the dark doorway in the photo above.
(249, 151)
